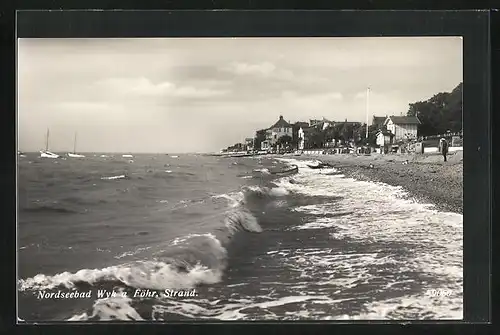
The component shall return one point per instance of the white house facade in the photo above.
(249, 144)
(383, 138)
(265, 145)
(278, 130)
(301, 138)
(402, 127)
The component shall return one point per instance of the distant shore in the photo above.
(425, 177)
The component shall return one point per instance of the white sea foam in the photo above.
(235, 309)
(235, 198)
(131, 253)
(359, 213)
(378, 213)
(138, 274)
(263, 171)
(108, 309)
(122, 176)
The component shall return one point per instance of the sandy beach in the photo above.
(425, 177)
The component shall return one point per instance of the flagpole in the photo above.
(367, 109)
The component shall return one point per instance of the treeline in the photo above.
(342, 132)
(439, 114)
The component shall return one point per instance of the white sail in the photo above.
(46, 153)
(74, 154)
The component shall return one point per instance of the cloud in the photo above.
(154, 88)
(318, 97)
(144, 87)
(263, 69)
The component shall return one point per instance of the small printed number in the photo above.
(439, 293)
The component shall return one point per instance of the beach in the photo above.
(427, 178)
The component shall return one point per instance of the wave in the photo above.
(50, 208)
(184, 262)
(108, 309)
(199, 258)
(156, 275)
(122, 176)
(262, 171)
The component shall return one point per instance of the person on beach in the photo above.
(443, 144)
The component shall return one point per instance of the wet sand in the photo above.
(426, 178)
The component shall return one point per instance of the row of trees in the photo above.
(440, 113)
(339, 132)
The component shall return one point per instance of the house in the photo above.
(265, 145)
(313, 122)
(321, 124)
(236, 147)
(280, 129)
(402, 127)
(350, 123)
(249, 144)
(384, 138)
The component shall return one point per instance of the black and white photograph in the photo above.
(218, 179)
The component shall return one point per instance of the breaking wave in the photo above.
(182, 263)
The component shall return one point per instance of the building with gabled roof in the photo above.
(281, 123)
(278, 130)
(402, 127)
(321, 124)
(378, 121)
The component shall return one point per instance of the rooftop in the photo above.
(308, 129)
(379, 119)
(385, 132)
(404, 119)
(281, 123)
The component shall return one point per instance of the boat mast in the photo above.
(47, 141)
(74, 145)
(367, 110)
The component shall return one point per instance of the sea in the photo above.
(165, 238)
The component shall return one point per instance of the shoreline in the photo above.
(425, 177)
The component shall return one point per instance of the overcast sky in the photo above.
(199, 95)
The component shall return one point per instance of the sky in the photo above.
(171, 95)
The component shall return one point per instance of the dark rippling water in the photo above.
(314, 245)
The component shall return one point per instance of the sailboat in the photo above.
(74, 154)
(46, 153)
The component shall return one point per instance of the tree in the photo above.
(440, 113)
(359, 133)
(347, 132)
(287, 140)
(372, 134)
(332, 133)
(317, 139)
(260, 136)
